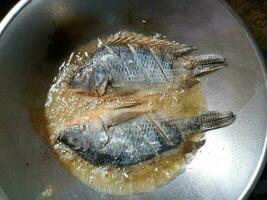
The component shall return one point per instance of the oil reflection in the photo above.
(215, 159)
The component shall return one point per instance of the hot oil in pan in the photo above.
(63, 104)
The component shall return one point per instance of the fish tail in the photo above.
(209, 59)
(214, 119)
(204, 63)
(186, 83)
(183, 50)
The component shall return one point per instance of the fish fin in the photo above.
(204, 69)
(186, 83)
(122, 90)
(183, 50)
(120, 115)
(160, 129)
(135, 96)
(139, 40)
(203, 63)
(112, 93)
(214, 119)
(127, 104)
(200, 144)
(113, 115)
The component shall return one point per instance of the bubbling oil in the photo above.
(64, 105)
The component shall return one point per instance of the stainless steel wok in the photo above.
(37, 35)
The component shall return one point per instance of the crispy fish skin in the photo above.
(126, 65)
(138, 139)
(119, 66)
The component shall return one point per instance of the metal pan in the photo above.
(37, 35)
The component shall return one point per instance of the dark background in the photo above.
(254, 14)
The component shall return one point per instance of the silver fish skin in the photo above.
(123, 66)
(138, 139)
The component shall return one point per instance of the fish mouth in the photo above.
(74, 83)
(85, 92)
(95, 92)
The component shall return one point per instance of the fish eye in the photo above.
(79, 77)
(75, 141)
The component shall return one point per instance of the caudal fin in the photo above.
(204, 63)
(214, 119)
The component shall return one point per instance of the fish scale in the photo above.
(141, 62)
(128, 67)
(140, 138)
(133, 147)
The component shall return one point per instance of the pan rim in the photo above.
(263, 157)
(3, 25)
(12, 14)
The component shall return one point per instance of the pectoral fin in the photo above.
(121, 115)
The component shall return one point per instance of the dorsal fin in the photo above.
(144, 41)
(139, 40)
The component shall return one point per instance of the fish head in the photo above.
(83, 138)
(74, 137)
(91, 80)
